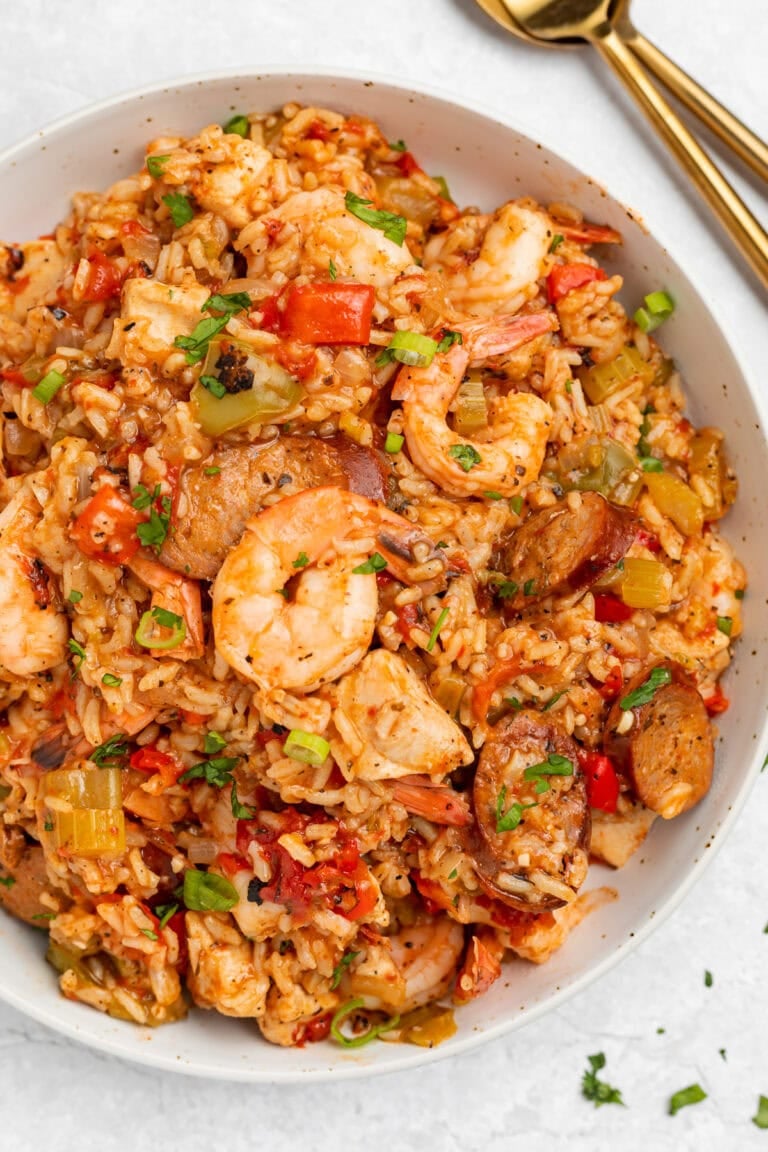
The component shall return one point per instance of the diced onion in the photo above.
(602, 380)
(675, 499)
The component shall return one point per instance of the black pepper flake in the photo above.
(254, 890)
(128, 327)
(57, 313)
(284, 479)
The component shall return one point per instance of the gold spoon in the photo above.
(564, 21)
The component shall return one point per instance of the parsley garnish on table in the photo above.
(598, 1091)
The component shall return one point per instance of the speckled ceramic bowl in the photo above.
(485, 163)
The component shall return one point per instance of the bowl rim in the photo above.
(474, 1040)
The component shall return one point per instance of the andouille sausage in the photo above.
(221, 493)
(667, 751)
(541, 862)
(24, 867)
(563, 549)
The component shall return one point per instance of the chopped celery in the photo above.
(645, 583)
(676, 500)
(89, 831)
(84, 787)
(602, 380)
(600, 464)
(708, 461)
(86, 809)
(471, 413)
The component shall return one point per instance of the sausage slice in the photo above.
(532, 844)
(219, 495)
(24, 875)
(561, 549)
(667, 753)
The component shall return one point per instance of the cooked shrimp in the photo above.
(178, 595)
(390, 726)
(222, 969)
(34, 634)
(492, 263)
(481, 966)
(319, 537)
(411, 968)
(312, 228)
(513, 453)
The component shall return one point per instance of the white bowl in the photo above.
(485, 163)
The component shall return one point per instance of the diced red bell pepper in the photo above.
(319, 1028)
(106, 528)
(565, 278)
(15, 376)
(602, 781)
(609, 609)
(717, 702)
(613, 683)
(152, 760)
(408, 164)
(104, 280)
(329, 313)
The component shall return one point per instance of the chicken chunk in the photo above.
(152, 316)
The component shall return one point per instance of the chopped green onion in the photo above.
(77, 651)
(437, 628)
(372, 1032)
(49, 386)
(155, 166)
(708, 981)
(306, 747)
(448, 339)
(212, 471)
(597, 1090)
(7, 881)
(75, 597)
(694, 1094)
(332, 270)
(409, 348)
(165, 912)
(466, 455)
(341, 968)
(513, 702)
(217, 772)
(516, 504)
(453, 874)
(393, 442)
(647, 690)
(725, 625)
(509, 820)
(443, 185)
(302, 560)
(651, 464)
(146, 633)
(150, 935)
(739, 593)
(44, 916)
(554, 765)
(213, 385)
(180, 208)
(207, 892)
(722, 1053)
(213, 743)
(238, 125)
(111, 681)
(557, 240)
(112, 753)
(529, 588)
(569, 386)
(374, 563)
(196, 344)
(553, 700)
(398, 146)
(492, 495)
(760, 1119)
(229, 302)
(394, 227)
(659, 306)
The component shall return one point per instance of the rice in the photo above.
(269, 842)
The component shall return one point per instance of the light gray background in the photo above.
(520, 1094)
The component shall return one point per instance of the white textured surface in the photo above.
(521, 1093)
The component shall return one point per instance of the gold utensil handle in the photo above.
(727, 127)
(733, 214)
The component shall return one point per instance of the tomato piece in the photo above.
(152, 760)
(319, 1028)
(106, 528)
(408, 164)
(648, 540)
(613, 683)
(134, 228)
(609, 609)
(300, 362)
(565, 278)
(329, 313)
(365, 892)
(717, 703)
(192, 717)
(408, 616)
(602, 781)
(435, 899)
(232, 863)
(14, 376)
(104, 280)
(318, 131)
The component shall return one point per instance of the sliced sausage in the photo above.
(542, 861)
(28, 880)
(563, 549)
(220, 494)
(667, 751)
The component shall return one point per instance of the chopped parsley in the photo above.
(153, 532)
(142, 497)
(493, 495)
(155, 166)
(216, 772)
(228, 302)
(111, 681)
(516, 504)
(647, 690)
(394, 227)
(651, 464)
(722, 1053)
(302, 560)
(553, 700)
(597, 1090)
(398, 146)
(213, 385)
(75, 597)
(506, 589)
(529, 588)
(708, 980)
(374, 563)
(180, 208)
(78, 652)
(7, 881)
(332, 273)
(694, 1094)
(212, 471)
(466, 456)
(341, 968)
(452, 875)
(239, 811)
(150, 935)
(557, 240)
(513, 702)
(238, 125)
(165, 912)
(213, 742)
(739, 593)
(448, 339)
(44, 916)
(760, 1119)
(725, 625)
(196, 344)
(509, 820)
(112, 753)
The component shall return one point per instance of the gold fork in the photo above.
(606, 25)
